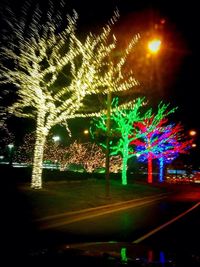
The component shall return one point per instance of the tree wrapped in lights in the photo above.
(122, 129)
(24, 153)
(52, 151)
(153, 135)
(90, 156)
(168, 143)
(54, 71)
(173, 144)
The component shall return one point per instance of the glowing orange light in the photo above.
(192, 133)
(86, 131)
(154, 46)
(194, 145)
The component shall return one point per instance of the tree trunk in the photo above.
(124, 163)
(108, 145)
(150, 176)
(41, 133)
(161, 171)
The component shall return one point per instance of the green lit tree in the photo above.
(54, 71)
(122, 128)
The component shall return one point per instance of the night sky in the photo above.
(178, 67)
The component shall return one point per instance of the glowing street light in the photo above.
(86, 131)
(192, 132)
(154, 46)
(10, 148)
(56, 138)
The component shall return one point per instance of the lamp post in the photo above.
(86, 132)
(56, 139)
(192, 132)
(109, 97)
(10, 153)
(153, 47)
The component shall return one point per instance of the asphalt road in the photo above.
(169, 223)
(163, 223)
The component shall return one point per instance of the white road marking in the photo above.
(165, 224)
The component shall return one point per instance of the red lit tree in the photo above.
(169, 149)
(164, 144)
(153, 132)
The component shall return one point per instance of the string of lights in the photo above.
(42, 53)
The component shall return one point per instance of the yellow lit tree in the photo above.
(54, 71)
(90, 156)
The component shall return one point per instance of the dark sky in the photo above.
(179, 66)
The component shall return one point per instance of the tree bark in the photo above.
(124, 162)
(150, 176)
(41, 133)
(161, 171)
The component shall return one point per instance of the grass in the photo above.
(60, 197)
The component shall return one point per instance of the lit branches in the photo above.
(89, 155)
(154, 135)
(122, 128)
(54, 71)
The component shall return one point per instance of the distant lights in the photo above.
(192, 132)
(86, 131)
(10, 146)
(56, 138)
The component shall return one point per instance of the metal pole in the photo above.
(108, 145)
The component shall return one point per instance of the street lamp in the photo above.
(56, 138)
(192, 132)
(107, 174)
(10, 146)
(154, 46)
(86, 132)
(10, 149)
